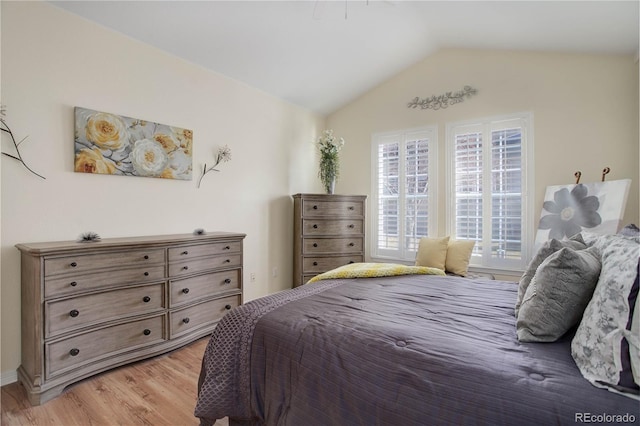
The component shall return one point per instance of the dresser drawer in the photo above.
(200, 250)
(78, 283)
(332, 245)
(201, 315)
(201, 286)
(204, 264)
(332, 208)
(83, 263)
(322, 264)
(68, 314)
(332, 227)
(79, 350)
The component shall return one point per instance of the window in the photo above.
(488, 188)
(404, 185)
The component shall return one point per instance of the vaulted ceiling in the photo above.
(320, 54)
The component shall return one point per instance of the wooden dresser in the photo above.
(328, 232)
(88, 307)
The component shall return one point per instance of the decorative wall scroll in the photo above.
(115, 145)
(443, 101)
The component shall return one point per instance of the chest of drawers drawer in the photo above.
(200, 250)
(203, 314)
(325, 208)
(64, 315)
(203, 264)
(322, 264)
(200, 286)
(332, 227)
(85, 348)
(78, 283)
(332, 245)
(84, 263)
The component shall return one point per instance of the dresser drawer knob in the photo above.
(74, 352)
(315, 226)
(184, 253)
(73, 264)
(74, 313)
(315, 263)
(352, 226)
(73, 283)
(351, 244)
(315, 244)
(146, 332)
(226, 248)
(185, 290)
(351, 208)
(146, 257)
(227, 281)
(227, 307)
(315, 207)
(146, 274)
(351, 261)
(146, 299)
(185, 267)
(227, 261)
(186, 320)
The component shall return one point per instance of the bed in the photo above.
(398, 350)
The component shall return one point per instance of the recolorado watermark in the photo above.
(604, 418)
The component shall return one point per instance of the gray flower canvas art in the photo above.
(594, 207)
(116, 145)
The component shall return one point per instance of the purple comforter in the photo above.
(409, 350)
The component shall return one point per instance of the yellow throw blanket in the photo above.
(369, 270)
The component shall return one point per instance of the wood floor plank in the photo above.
(160, 391)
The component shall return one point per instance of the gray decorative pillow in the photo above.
(558, 294)
(548, 248)
(596, 346)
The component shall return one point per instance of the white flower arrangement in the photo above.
(329, 147)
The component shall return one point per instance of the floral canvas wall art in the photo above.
(116, 145)
(593, 207)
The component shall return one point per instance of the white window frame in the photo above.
(486, 125)
(403, 136)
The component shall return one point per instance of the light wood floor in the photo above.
(159, 391)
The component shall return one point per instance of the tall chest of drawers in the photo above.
(329, 231)
(88, 307)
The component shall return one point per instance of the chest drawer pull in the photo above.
(146, 332)
(315, 207)
(73, 283)
(146, 257)
(185, 267)
(186, 320)
(351, 244)
(74, 313)
(146, 274)
(227, 248)
(315, 244)
(351, 207)
(73, 264)
(227, 307)
(146, 299)
(351, 226)
(184, 253)
(315, 226)
(227, 281)
(185, 290)
(315, 263)
(351, 261)
(74, 351)
(227, 261)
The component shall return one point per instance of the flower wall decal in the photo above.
(569, 212)
(594, 207)
(116, 145)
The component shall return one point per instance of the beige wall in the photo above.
(53, 61)
(585, 114)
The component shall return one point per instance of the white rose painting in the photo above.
(112, 144)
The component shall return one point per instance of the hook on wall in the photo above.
(605, 172)
(578, 175)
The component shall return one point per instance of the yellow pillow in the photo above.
(458, 255)
(432, 252)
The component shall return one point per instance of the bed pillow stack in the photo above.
(606, 346)
(555, 290)
(445, 254)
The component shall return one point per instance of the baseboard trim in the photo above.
(8, 377)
